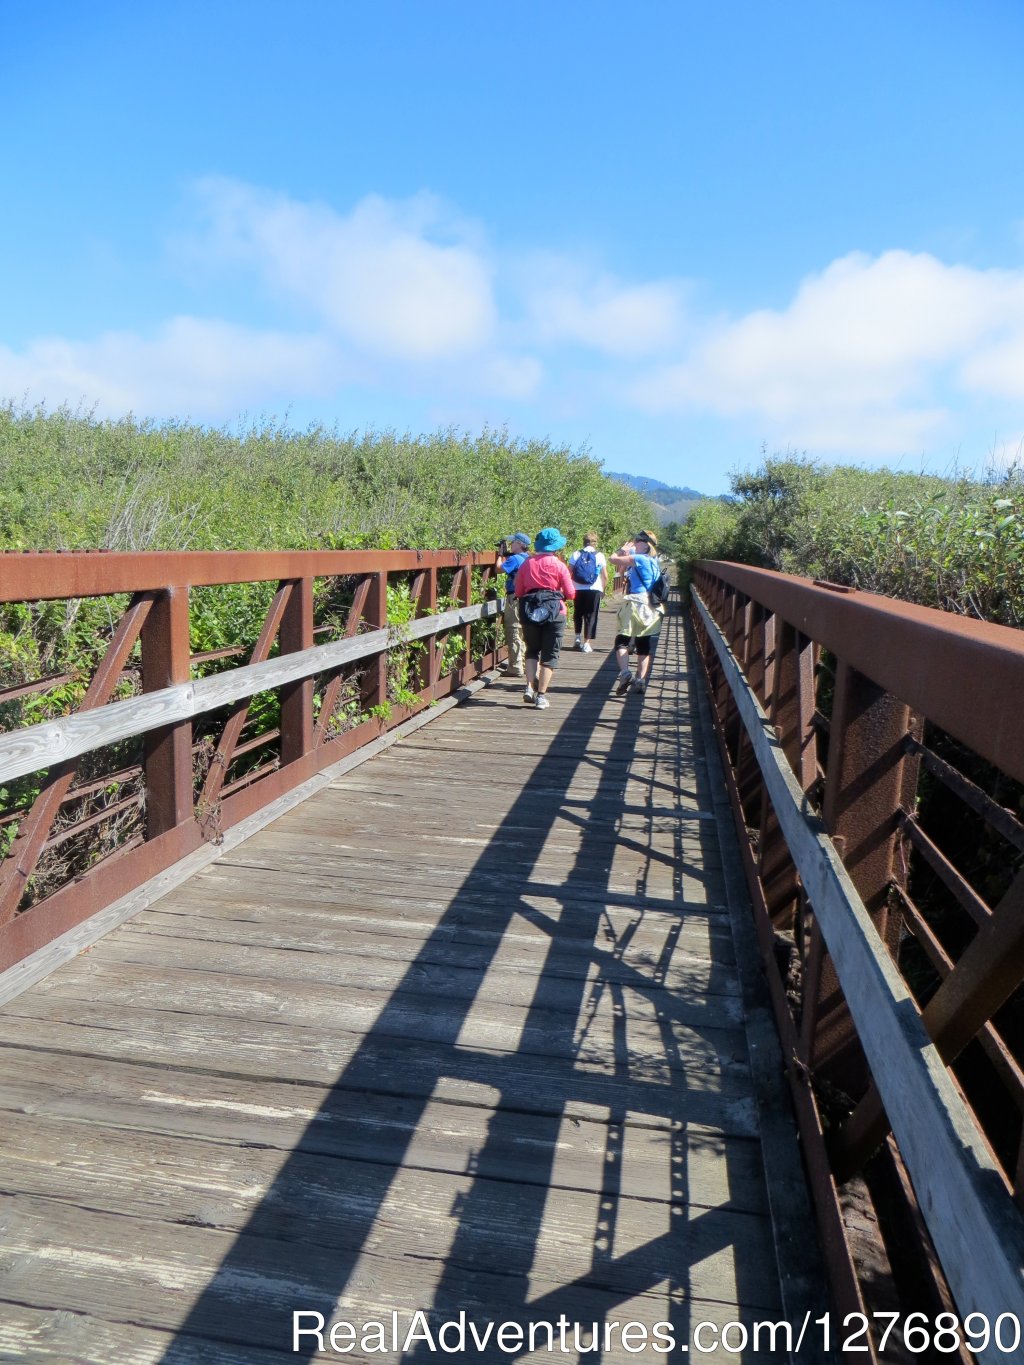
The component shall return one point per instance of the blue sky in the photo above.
(674, 234)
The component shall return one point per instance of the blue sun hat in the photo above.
(548, 540)
(521, 537)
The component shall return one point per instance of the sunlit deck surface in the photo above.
(463, 1032)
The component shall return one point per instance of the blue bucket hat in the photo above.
(522, 538)
(548, 539)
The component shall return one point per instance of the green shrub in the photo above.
(953, 543)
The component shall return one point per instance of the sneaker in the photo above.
(624, 684)
(640, 686)
(529, 696)
(579, 643)
(587, 647)
(542, 702)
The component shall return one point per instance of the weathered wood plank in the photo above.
(290, 957)
(695, 886)
(532, 1082)
(155, 1274)
(372, 910)
(56, 1337)
(435, 1134)
(591, 1027)
(324, 1199)
(384, 887)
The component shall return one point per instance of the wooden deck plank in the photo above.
(649, 940)
(443, 969)
(148, 1272)
(693, 1035)
(386, 1065)
(381, 1129)
(190, 1181)
(431, 1040)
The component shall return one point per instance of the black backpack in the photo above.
(659, 590)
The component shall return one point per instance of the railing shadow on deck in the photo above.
(301, 1247)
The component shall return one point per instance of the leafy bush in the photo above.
(953, 543)
(72, 482)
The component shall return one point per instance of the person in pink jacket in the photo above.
(543, 585)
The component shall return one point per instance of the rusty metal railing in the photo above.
(167, 753)
(872, 749)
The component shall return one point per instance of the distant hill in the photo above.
(670, 503)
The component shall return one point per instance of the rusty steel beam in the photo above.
(167, 752)
(38, 577)
(870, 778)
(329, 701)
(297, 698)
(988, 972)
(966, 676)
(953, 879)
(1003, 821)
(374, 690)
(225, 752)
(988, 1036)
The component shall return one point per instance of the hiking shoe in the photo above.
(542, 702)
(640, 686)
(624, 684)
(587, 647)
(529, 696)
(578, 643)
(513, 673)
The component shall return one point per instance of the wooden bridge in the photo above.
(421, 1001)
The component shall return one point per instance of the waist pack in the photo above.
(540, 606)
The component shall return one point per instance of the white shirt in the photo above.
(602, 563)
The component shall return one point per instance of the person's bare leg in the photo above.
(544, 676)
(531, 675)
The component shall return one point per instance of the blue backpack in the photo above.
(586, 569)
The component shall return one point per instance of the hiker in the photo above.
(509, 563)
(589, 570)
(639, 619)
(543, 585)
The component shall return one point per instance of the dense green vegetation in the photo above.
(71, 482)
(956, 543)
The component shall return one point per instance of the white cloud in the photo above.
(602, 313)
(872, 355)
(857, 360)
(997, 369)
(191, 366)
(378, 276)
(508, 376)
